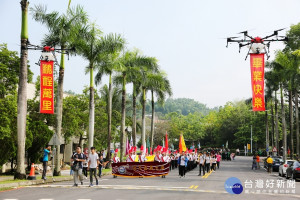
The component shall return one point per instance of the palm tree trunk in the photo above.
(273, 123)
(134, 115)
(152, 118)
(123, 134)
(143, 118)
(291, 121)
(59, 109)
(297, 122)
(92, 108)
(109, 118)
(283, 122)
(276, 123)
(267, 126)
(22, 96)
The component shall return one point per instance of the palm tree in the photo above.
(128, 63)
(272, 83)
(159, 84)
(95, 49)
(108, 63)
(282, 61)
(63, 31)
(22, 95)
(290, 64)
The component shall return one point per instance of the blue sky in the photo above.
(184, 35)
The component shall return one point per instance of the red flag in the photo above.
(166, 142)
(257, 79)
(46, 87)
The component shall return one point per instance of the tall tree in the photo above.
(63, 31)
(281, 59)
(106, 64)
(293, 44)
(158, 84)
(96, 49)
(22, 94)
(128, 62)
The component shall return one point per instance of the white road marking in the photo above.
(10, 199)
(162, 188)
(46, 199)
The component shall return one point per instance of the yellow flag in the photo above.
(182, 147)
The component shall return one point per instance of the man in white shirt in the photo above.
(92, 166)
(201, 161)
(207, 161)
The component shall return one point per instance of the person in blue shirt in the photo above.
(47, 151)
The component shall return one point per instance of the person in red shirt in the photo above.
(257, 161)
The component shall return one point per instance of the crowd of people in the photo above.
(208, 160)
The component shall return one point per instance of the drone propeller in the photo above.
(279, 30)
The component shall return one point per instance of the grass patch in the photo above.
(11, 181)
(106, 170)
(5, 188)
(37, 178)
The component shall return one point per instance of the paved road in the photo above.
(172, 187)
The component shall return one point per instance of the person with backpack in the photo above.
(77, 160)
(47, 151)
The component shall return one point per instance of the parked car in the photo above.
(284, 166)
(292, 173)
(277, 160)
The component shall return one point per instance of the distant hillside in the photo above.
(183, 106)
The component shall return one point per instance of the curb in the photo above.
(36, 182)
(40, 181)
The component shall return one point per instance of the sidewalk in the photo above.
(9, 182)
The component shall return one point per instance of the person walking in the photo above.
(254, 163)
(213, 161)
(257, 161)
(85, 168)
(207, 162)
(218, 159)
(201, 161)
(182, 162)
(101, 165)
(47, 151)
(93, 162)
(77, 160)
(270, 163)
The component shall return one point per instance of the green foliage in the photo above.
(182, 106)
(75, 116)
(9, 71)
(8, 129)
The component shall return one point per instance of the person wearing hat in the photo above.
(130, 157)
(115, 159)
(142, 157)
(158, 156)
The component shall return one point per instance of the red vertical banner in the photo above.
(257, 64)
(47, 87)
